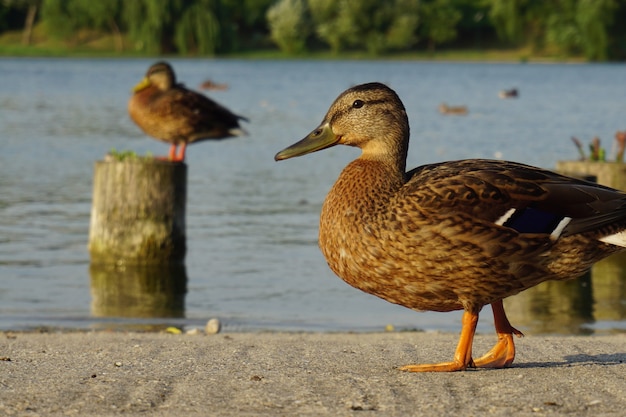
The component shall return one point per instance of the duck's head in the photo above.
(369, 116)
(161, 75)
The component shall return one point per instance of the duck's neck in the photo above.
(364, 188)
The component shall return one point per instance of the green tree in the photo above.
(439, 18)
(562, 30)
(507, 18)
(402, 34)
(150, 24)
(166, 26)
(31, 7)
(594, 18)
(198, 29)
(288, 27)
(64, 18)
(243, 24)
(374, 26)
(324, 16)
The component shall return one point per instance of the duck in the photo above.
(167, 111)
(458, 110)
(512, 93)
(455, 235)
(212, 85)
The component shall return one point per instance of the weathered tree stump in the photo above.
(138, 212)
(610, 174)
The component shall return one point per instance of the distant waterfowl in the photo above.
(445, 109)
(169, 112)
(454, 235)
(512, 93)
(210, 85)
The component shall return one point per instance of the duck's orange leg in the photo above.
(181, 153)
(172, 154)
(462, 355)
(503, 353)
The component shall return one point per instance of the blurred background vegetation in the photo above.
(581, 29)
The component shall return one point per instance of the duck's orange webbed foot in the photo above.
(463, 354)
(503, 353)
(500, 356)
(436, 367)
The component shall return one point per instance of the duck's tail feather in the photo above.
(617, 239)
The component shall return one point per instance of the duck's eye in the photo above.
(357, 104)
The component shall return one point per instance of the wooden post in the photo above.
(610, 174)
(138, 212)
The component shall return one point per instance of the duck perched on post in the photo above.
(167, 111)
(454, 235)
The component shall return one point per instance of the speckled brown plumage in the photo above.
(453, 235)
(168, 111)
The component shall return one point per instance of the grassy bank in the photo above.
(95, 45)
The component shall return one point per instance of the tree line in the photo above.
(589, 28)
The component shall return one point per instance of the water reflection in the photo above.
(138, 291)
(572, 307)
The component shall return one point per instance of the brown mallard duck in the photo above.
(454, 235)
(166, 110)
(458, 110)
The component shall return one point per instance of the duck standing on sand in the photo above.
(454, 235)
(168, 111)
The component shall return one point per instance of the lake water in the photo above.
(252, 256)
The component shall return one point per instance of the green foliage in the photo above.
(589, 28)
(593, 18)
(167, 26)
(327, 27)
(128, 156)
(65, 17)
(148, 21)
(561, 28)
(374, 26)
(287, 23)
(198, 29)
(506, 16)
(440, 18)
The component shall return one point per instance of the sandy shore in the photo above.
(302, 374)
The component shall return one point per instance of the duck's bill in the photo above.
(321, 138)
(145, 83)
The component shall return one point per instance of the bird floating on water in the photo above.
(458, 110)
(167, 111)
(454, 235)
(212, 85)
(512, 93)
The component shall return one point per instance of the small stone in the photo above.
(193, 332)
(118, 364)
(213, 326)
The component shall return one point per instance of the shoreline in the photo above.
(91, 373)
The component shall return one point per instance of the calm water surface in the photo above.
(251, 222)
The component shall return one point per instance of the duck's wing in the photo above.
(521, 197)
(198, 113)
